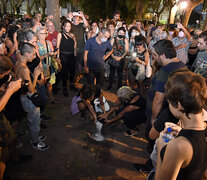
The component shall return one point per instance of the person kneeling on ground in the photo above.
(89, 98)
(130, 107)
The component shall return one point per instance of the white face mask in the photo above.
(97, 30)
(181, 34)
(171, 33)
(103, 40)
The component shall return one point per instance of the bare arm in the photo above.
(105, 57)
(12, 87)
(85, 22)
(10, 46)
(59, 37)
(90, 107)
(120, 115)
(85, 61)
(157, 105)
(75, 45)
(177, 155)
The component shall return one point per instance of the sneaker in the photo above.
(44, 117)
(73, 88)
(42, 138)
(19, 144)
(21, 134)
(40, 146)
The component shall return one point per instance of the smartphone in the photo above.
(76, 14)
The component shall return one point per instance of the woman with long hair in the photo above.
(66, 44)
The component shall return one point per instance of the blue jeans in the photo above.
(33, 117)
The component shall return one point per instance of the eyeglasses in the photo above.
(43, 33)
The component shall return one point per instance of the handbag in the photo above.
(46, 69)
(112, 61)
(46, 66)
(37, 99)
(56, 64)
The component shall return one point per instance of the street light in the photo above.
(183, 5)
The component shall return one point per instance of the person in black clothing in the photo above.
(130, 107)
(66, 44)
(120, 49)
(184, 157)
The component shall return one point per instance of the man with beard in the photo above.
(201, 59)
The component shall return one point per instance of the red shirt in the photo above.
(53, 38)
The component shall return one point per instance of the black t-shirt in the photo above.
(32, 65)
(141, 103)
(164, 116)
(198, 165)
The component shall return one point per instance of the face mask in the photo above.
(3, 35)
(171, 33)
(181, 34)
(195, 36)
(121, 36)
(97, 30)
(103, 40)
(135, 34)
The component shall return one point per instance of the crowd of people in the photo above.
(169, 62)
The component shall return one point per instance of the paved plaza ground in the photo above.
(74, 156)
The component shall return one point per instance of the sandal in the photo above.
(129, 133)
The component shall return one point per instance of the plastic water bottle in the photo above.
(168, 135)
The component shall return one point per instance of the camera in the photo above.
(173, 26)
(76, 14)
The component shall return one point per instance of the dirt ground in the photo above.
(74, 156)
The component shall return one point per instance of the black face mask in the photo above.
(195, 36)
(3, 35)
(121, 36)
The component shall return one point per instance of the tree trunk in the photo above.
(30, 7)
(172, 14)
(189, 9)
(139, 10)
(3, 7)
(53, 8)
(204, 27)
